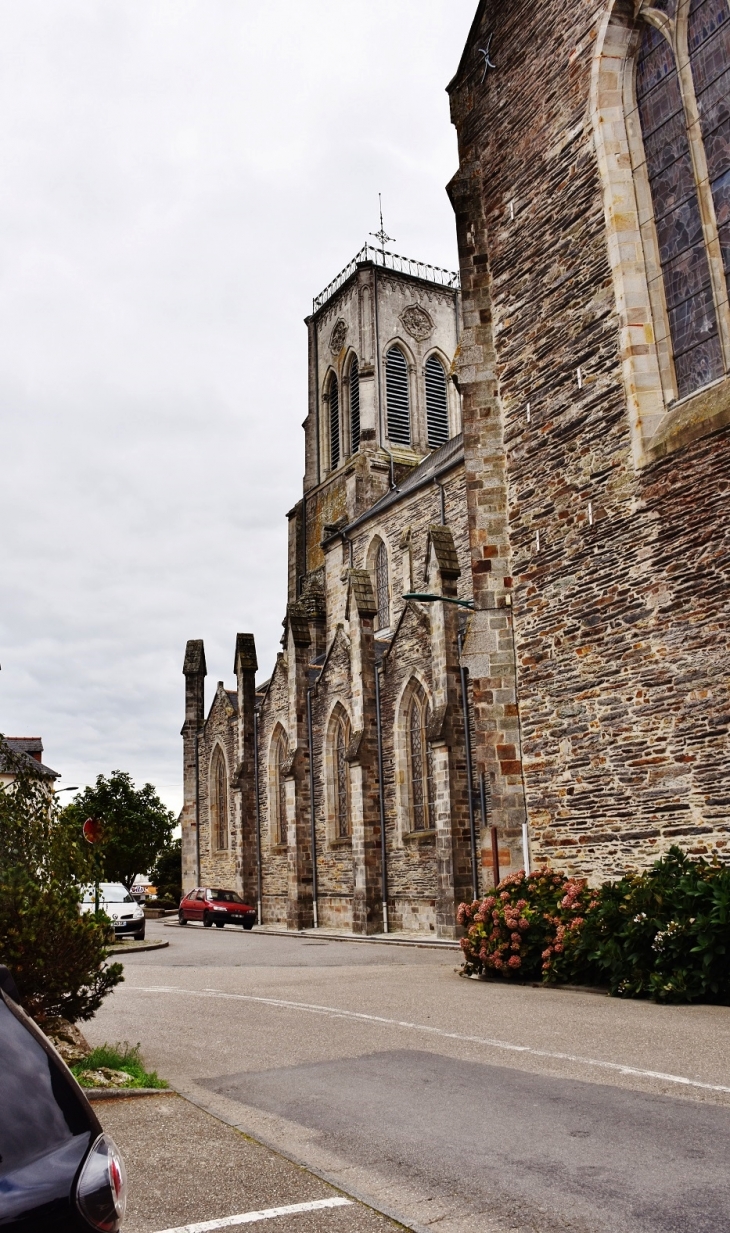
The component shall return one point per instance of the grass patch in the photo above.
(121, 1056)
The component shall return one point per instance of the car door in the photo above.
(191, 906)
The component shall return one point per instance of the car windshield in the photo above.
(108, 893)
(224, 896)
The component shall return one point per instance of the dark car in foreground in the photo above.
(215, 906)
(59, 1172)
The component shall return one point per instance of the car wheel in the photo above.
(181, 920)
(249, 926)
(140, 936)
(219, 924)
(206, 920)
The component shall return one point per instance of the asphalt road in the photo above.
(456, 1105)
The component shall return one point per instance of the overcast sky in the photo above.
(178, 178)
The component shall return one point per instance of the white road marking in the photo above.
(269, 1213)
(335, 1012)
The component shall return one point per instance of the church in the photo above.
(506, 637)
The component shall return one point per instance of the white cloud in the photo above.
(180, 177)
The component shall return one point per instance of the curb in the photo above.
(371, 939)
(124, 1093)
(120, 948)
(599, 990)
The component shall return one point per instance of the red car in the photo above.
(216, 907)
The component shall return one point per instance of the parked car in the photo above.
(59, 1171)
(216, 907)
(114, 899)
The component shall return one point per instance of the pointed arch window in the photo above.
(683, 71)
(420, 764)
(278, 801)
(354, 406)
(382, 586)
(437, 403)
(397, 397)
(342, 779)
(219, 800)
(334, 408)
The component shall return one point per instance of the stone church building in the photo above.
(546, 441)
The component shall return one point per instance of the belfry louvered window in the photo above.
(688, 170)
(397, 397)
(437, 403)
(334, 398)
(354, 406)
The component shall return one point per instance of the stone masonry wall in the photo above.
(618, 577)
(274, 710)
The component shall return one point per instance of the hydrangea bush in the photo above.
(664, 933)
(526, 927)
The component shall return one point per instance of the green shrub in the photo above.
(664, 933)
(121, 1056)
(56, 955)
(166, 876)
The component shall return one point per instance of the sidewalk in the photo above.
(187, 1168)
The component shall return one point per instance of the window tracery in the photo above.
(420, 759)
(219, 800)
(382, 586)
(342, 787)
(682, 67)
(279, 819)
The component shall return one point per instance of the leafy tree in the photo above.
(167, 873)
(56, 955)
(137, 826)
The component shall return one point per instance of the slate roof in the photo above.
(443, 459)
(24, 747)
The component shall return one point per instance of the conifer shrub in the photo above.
(663, 933)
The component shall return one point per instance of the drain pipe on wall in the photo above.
(312, 809)
(467, 745)
(259, 895)
(381, 795)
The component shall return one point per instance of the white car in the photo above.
(116, 901)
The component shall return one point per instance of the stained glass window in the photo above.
(354, 405)
(334, 397)
(279, 829)
(709, 50)
(421, 765)
(397, 397)
(382, 590)
(219, 800)
(682, 252)
(342, 798)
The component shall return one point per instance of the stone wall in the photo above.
(219, 867)
(612, 580)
